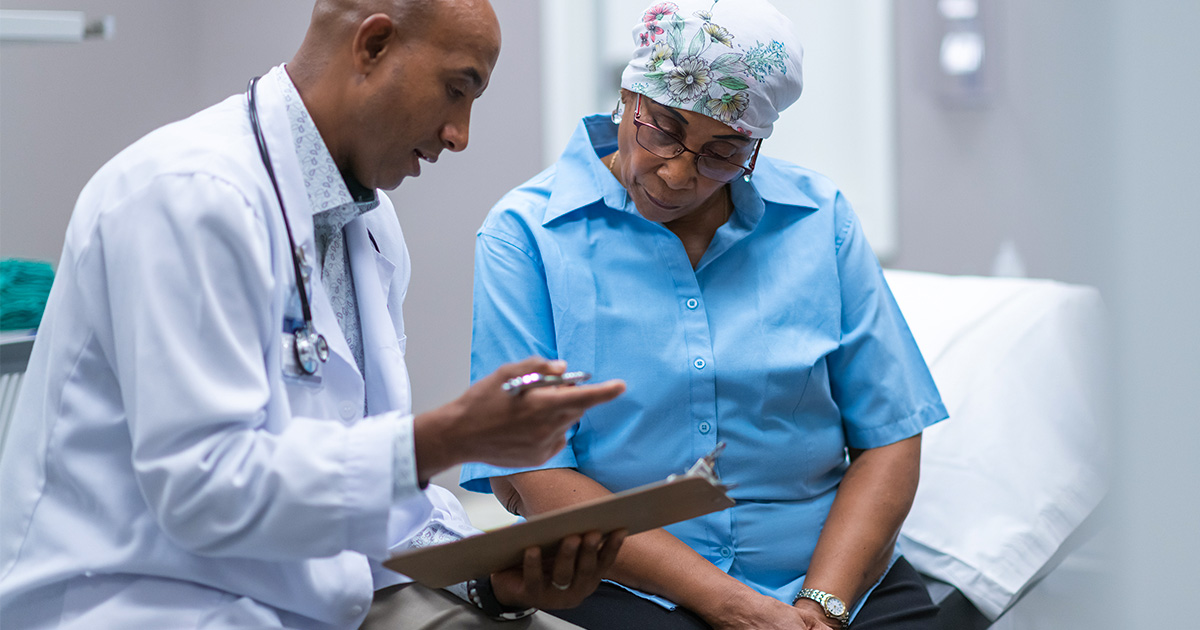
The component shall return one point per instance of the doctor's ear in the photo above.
(373, 37)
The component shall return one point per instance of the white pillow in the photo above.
(1020, 365)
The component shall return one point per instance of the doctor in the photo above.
(202, 441)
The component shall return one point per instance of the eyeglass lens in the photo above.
(666, 146)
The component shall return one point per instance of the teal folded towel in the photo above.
(24, 287)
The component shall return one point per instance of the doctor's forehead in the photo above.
(464, 37)
(459, 24)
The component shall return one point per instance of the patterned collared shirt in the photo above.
(323, 182)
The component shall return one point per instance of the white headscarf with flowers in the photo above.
(737, 61)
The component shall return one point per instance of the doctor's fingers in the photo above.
(573, 399)
(584, 562)
(562, 573)
(574, 572)
(609, 547)
(581, 567)
(529, 366)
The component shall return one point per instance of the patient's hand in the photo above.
(813, 612)
(767, 613)
(579, 565)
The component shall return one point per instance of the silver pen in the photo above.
(514, 386)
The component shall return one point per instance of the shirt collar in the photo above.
(326, 187)
(582, 179)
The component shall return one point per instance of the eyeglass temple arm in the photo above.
(754, 158)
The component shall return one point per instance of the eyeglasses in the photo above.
(668, 146)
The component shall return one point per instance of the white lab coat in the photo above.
(161, 470)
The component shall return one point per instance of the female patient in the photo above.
(749, 311)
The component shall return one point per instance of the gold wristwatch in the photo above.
(834, 607)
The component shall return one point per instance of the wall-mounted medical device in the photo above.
(965, 58)
(53, 26)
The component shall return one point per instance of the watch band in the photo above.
(833, 606)
(480, 592)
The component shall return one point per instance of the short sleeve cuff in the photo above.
(477, 477)
(875, 437)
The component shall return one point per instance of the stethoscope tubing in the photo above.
(251, 93)
(311, 341)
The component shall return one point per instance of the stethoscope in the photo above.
(309, 345)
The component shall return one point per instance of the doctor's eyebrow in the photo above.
(473, 77)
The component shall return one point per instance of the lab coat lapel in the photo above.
(386, 378)
(278, 133)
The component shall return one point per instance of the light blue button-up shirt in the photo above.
(784, 342)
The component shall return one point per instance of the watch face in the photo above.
(835, 606)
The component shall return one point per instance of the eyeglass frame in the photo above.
(747, 170)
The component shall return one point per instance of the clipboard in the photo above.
(677, 498)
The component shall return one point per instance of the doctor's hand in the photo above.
(487, 424)
(563, 581)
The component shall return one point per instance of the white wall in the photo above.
(65, 109)
(1156, 262)
(1034, 166)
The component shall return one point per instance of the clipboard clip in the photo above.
(705, 467)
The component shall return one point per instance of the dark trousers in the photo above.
(900, 602)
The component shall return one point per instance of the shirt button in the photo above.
(699, 363)
(692, 303)
(348, 410)
(705, 427)
(356, 610)
(726, 552)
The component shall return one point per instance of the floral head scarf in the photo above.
(737, 61)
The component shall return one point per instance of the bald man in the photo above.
(202, 441)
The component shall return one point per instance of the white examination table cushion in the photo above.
(1020, 464)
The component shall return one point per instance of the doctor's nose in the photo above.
(455, 134)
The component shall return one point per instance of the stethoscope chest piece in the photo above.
(311, 349)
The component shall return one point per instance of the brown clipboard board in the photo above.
(678, 498)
